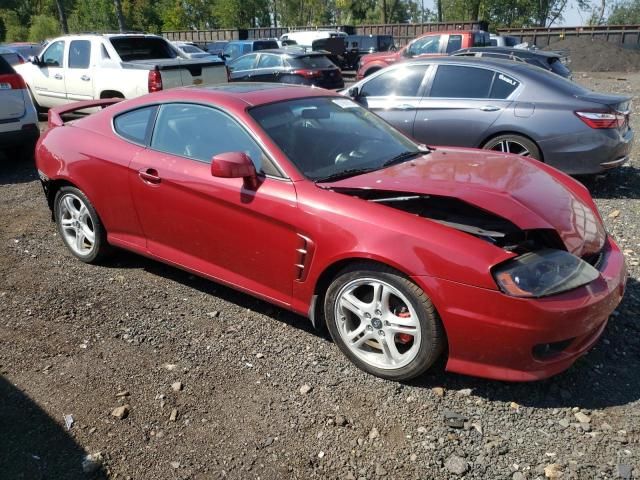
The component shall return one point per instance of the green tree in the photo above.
(626, 12)
(43, 27)
(93, 16)
(15, 30)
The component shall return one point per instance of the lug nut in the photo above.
(378, 313)
(367, 315)
(381, 333)
(369, 328)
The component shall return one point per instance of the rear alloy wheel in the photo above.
(383, 322)
(79, 225)
(515, 144)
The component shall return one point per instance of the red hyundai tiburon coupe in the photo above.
(303, 198)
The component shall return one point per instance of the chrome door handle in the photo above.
(489, 108)
(404, 106)
(57, 76)
(86, 78)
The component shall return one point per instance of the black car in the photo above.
(286, 66)
(553, 61)
(358, 45)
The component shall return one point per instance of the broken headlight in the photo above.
(542, 273)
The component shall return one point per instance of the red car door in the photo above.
(214, 225)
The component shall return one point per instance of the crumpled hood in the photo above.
(513, 188)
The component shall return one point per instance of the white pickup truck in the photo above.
(92, 66)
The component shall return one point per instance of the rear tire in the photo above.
(79, 225)
(512, 143)
(384, 323)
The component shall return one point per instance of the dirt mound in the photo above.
(589, 55)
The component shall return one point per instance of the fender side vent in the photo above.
(304, 253)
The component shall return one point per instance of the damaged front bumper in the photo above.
(496, 336)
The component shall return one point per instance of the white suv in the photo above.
(18, 117)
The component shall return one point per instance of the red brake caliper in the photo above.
(404, 338)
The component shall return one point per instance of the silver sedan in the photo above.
(504, 106)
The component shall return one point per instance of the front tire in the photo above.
(512, 143)
(384, 323)
(79, 225)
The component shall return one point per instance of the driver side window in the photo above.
(425, 45)
(53, 56)
(397, 82)
(199, 133)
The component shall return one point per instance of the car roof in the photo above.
(498, 63)
(292, 52)
(254, 40)
(242, 94)
(520, 52)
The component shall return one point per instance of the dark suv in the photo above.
(359, 45)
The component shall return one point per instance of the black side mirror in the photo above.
(406, 53)
(354, 92)
(35, 60)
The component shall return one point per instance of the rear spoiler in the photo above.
(55, 114)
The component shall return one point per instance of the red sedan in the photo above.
(303, 198)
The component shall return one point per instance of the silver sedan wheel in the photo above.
(377, 323)
(76, 224)
(510, 146)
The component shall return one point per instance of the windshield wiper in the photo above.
(351, 172)
(403, 157)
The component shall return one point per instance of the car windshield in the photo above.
(328, 138)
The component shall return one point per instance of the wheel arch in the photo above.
(316, 308)
(493, 135)
(371, 70)
(51, 189)
(111, 94)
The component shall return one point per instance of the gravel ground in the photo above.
(216, 384)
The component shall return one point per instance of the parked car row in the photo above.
(358, 220)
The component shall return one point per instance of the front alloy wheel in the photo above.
(383, 322)
(79, 225)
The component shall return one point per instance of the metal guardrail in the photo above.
(626, 36)
(402, 32)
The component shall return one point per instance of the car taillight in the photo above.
(308, 73)
(155, 81)
(12, 81)
(603, 119)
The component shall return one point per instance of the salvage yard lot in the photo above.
(264, 396)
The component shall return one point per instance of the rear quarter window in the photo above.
(135, 125)
(503, 86)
